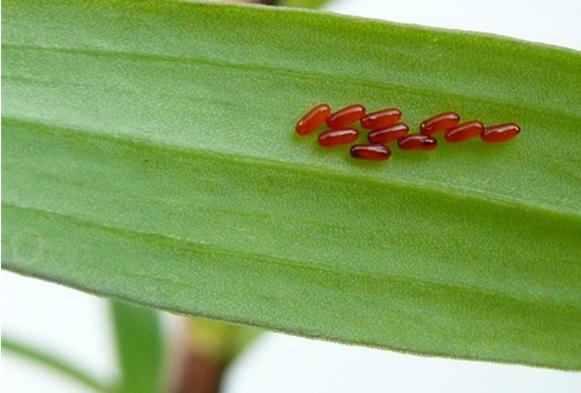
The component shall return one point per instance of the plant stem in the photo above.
(198, 373)
(203, 350)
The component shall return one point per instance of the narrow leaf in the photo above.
(148, 155)
(139, 348)
(54, 363)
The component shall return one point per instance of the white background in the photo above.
(75, 325)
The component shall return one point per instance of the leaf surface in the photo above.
(149, 155)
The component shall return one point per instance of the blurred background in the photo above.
(76, 326)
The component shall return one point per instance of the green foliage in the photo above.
(48, 360)
(140, 348)
(148, 155)
(303, 3)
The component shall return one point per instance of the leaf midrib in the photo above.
(447, 190)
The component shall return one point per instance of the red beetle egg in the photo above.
(464, 132)
(346, 117)
(313, 119)
(371, 152)
(388, 134)
(381, 119)
(441, 122)
(338, 137)
(417, 142)
(500, 133)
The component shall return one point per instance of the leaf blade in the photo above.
(125, 143)
(139, 344)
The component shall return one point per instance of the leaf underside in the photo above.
(148, 155)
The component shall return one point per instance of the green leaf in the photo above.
(139, 348)
(149, 155)
(54, 363)
(303, 3)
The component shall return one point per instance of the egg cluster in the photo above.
(385, 127)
